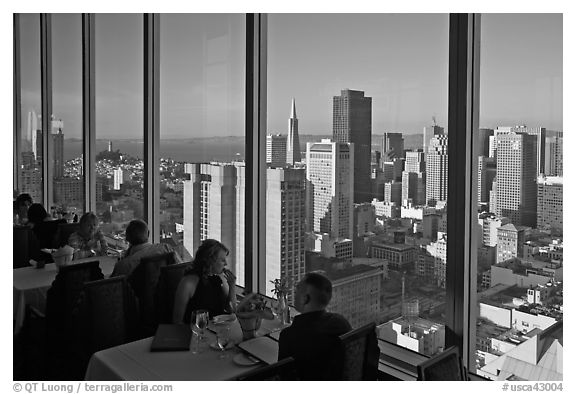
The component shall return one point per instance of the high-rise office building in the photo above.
(392, 146)
(393, 192)
(484, 141)
(69, 191)
(352, 123)
(414, 187)
(415, 161)
(293, 143)
(392, 170)
(210, 207)
(486, 175)
(118, 178)
(437, 170)
(553, 153)
(58, 146)
(550, 204)
(285, 221)
(276, 150)
(540, 135)
(516, 177)
(428, 133)
(329, 189)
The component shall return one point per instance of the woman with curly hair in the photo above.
(207, 284)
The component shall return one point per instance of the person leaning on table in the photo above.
(88, 240)
(312, 339)
(207, 284)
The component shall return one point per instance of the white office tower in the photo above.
(210, 207)
(240, 220)
(276, 150)
(428, 133)
(31, 132)
(285, 221)
(540, 136)
(293, 143)
(437, 170)
(118, 178)
(516, 177)
(329, 190)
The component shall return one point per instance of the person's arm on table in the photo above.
(184, 292)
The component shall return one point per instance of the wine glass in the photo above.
(201, 322)
(222, 338)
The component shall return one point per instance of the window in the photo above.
(31, 153)
(388, 268)
(202, 168)
(519, 197)
(66, 136)
(119, 124)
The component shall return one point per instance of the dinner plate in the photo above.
(245, 360)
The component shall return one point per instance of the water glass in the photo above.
(223, 338)
(201, 322)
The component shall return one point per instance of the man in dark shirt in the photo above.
(312, 340)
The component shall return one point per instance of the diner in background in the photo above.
(207, 284)
(20, 208)
(88, 241)
(43, 226)
(312, 339)
(137, 234)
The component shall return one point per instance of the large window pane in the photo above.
(119, 123)
(519, 300)
(66, 125)
(31, 131)
(357, 166)
(202, 185)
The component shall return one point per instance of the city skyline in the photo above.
(408, 87)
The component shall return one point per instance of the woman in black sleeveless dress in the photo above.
(207, 284)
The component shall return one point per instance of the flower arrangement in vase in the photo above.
(250, 312)
(282, 287)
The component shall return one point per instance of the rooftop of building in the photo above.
(390, 245)
(337, 274)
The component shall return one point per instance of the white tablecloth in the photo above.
(30, 286)
(135, 361)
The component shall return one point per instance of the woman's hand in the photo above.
(229, 276)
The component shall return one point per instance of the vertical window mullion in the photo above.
(152, 123)
(89, 112)
(46, 94)
(17, 121)
(462, 180)
(255, 209)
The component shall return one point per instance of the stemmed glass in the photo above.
(201, 322)
(222, 338)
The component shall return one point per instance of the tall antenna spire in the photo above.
(293, 112)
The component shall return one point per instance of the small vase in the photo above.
(249, 326)
(283, 308)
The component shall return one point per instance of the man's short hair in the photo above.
(320, 285)
(137, 232)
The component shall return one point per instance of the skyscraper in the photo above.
(516, 177)
(210, 207)
(352, 123)
(550, 204)
(428, 133)
(276, 150)
(329, 189)
(58, 146)
(486, 175)
(392, 146)
(437, 169)
(415, 161)
(484, 141)
(285, 221)
(293, 143)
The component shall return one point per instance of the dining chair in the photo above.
(144, 281)
(22, 238)
(443, 366)
(170, 276)
(106, 316)
(63, 233)
(284, 369)
(61, 300)
(361, 353)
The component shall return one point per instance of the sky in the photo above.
(400, 60)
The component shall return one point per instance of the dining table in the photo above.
(31, 284)
(135, 361)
